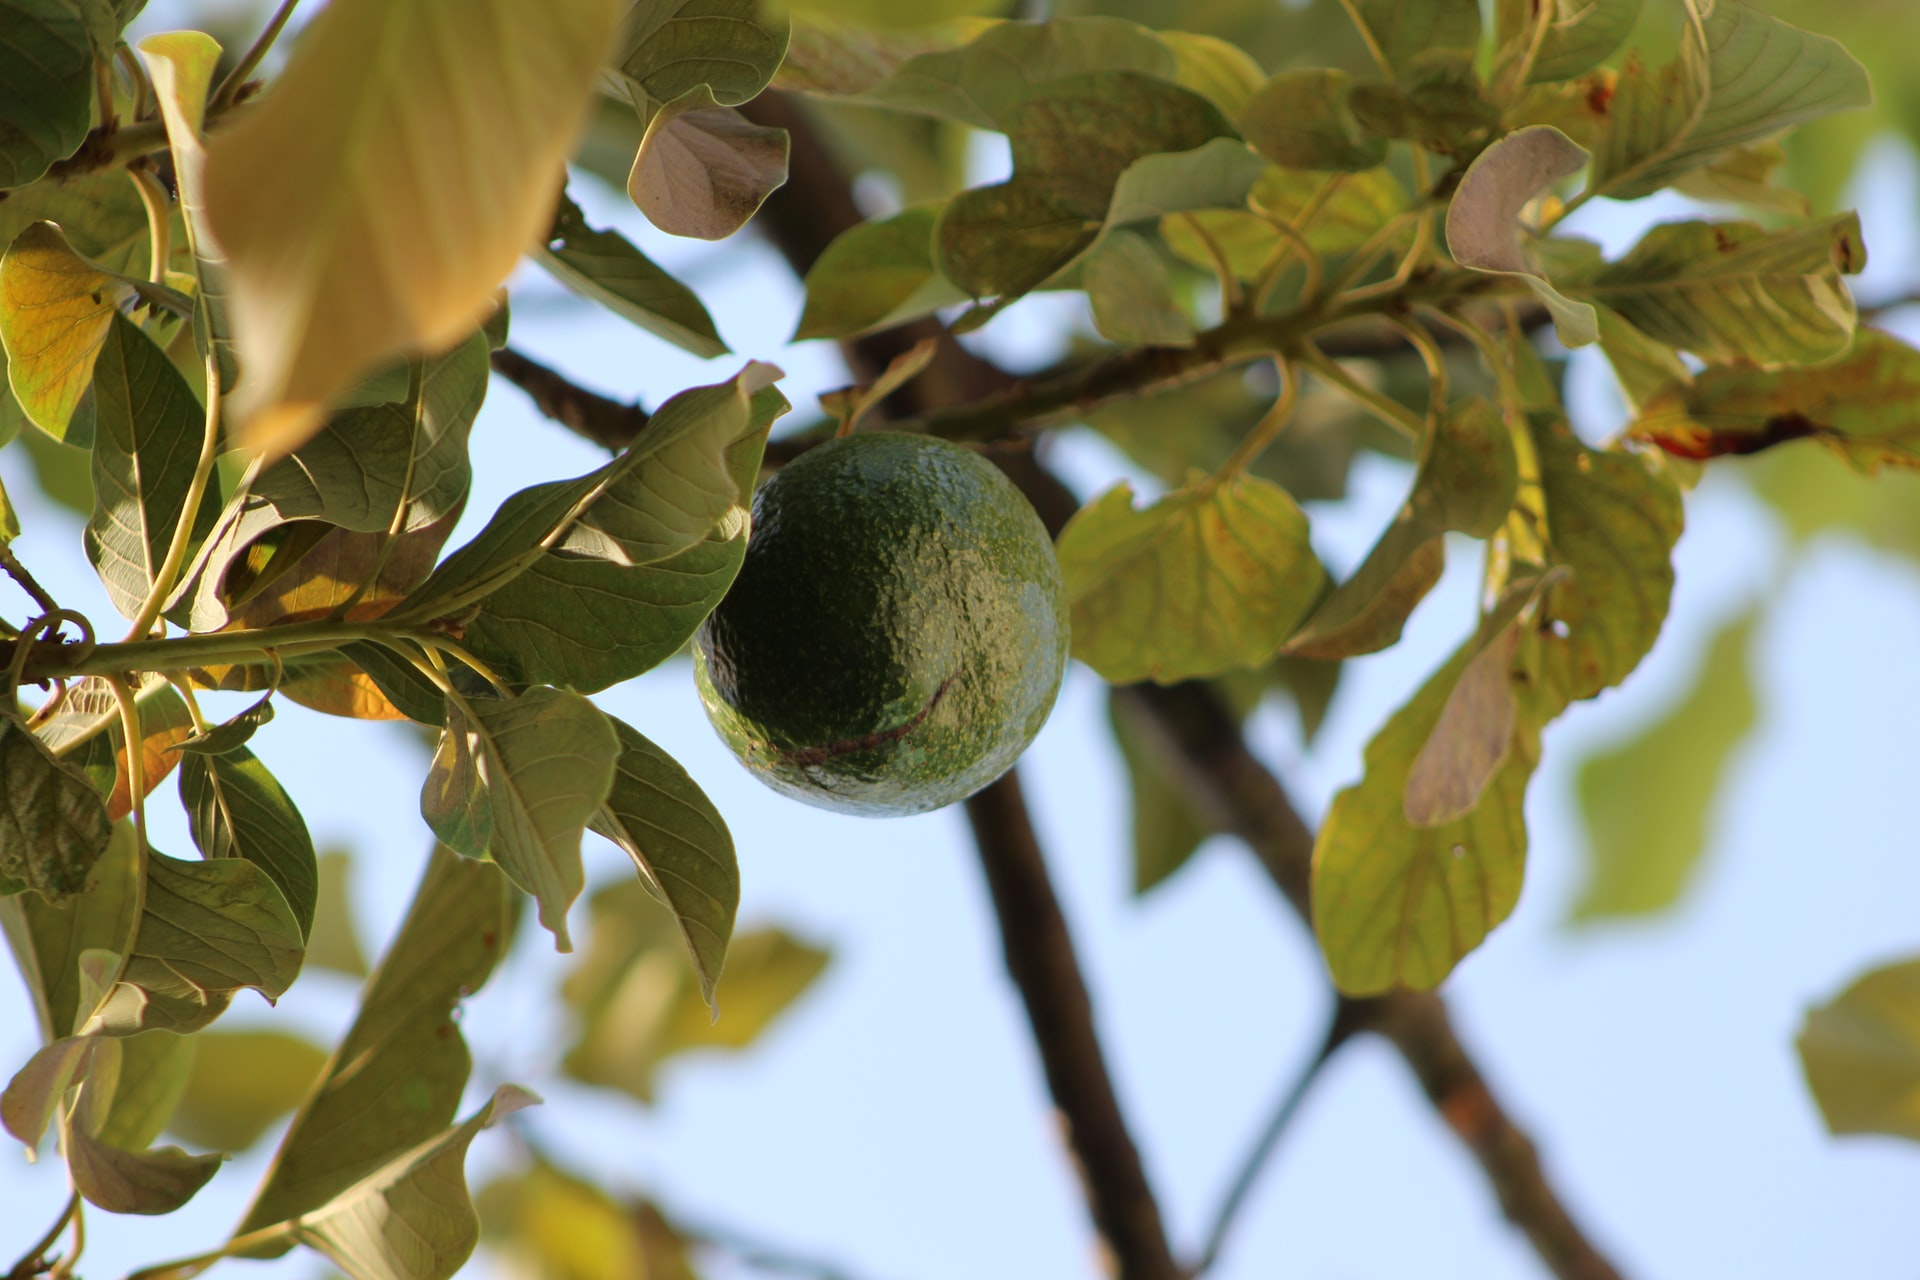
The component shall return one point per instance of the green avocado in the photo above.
(897, 633)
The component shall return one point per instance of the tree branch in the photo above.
(1041, 962)
(608, 423)
(1204, 750)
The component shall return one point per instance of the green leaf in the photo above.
(1303, 119)
(874, 275)
(1612, 520)
(362, 467)
(144, 1076)
(1466, 483)
(1742, 77)
(1398, 903)
(102, 216)
(1734, 292)
(207, 931)
(542, 764)
(396, 1077)
(232, 734)
(833, 58)
(979, 83)
(334, 943)
(147, 1182)
(1816, 493)
(604, 266)
(547, 1223)
(1647, 800)
(1207, 578)
(1861, 1053)
(1483, 222)
(634, 574)
(1008, 239)
(53, 823)
(147, 435)
(1579, 37)
(411, 1219)
(50, 943)
(37, 1092)
(240, 1083)
(1166, 829)
(680, 846)
(1745, 176)
(1131, 293)
(640, 1003)
(46, 85)
(235, 809)
(1410, 36)
(1643, 367)
(388, 229)
(1861, 406)
(1219, 174)
(55, 310)
(1223, 73)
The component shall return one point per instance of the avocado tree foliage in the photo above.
(268, 313)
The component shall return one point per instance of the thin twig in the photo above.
(34, 1260)
(1340, 1028)
(10, 564)
(608, 423)
(757, 1253)
(1041, 961)
(230, 87)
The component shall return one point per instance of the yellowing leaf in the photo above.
(1205, 579)
(545, 1223)
(1865, 406)
(240, 1083)
(1483, 222)
(55, 308)
(1861, 1052)
(1224, 74)
(381, 190)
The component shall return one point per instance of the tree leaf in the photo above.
(165, 723)
(1613, 521)
(604, 266)
(231, 734)
(704, 172)
(1398, 903)
(51, 942)
(547, 1223)
(1579, 37)
(1483, 222)
(1466, 483)
(1741, 77)
(830, 57)
(35, 1094)
(1207, 578)
(46, 86)
(874, 275)
(240, 1083)
(1303, 119)
(147, 1182)
(1221, 72)
(1409, 34)
(1131, 293)
(53, 824)
(55, 310)
(143, 1078)
(1643, 367)
(395, 1078)
(1861, 406)
(1735, 292)
(1646, 801)
(411, 1219)
(181, 66)
(235, 809)
(207, 930)
(679, 844)
(1745, 176)
(639, 1002)
(543, 763)
(1008, 239)
(360, 218)
(1166, 828)
(334, 943)
(1861, 1053)
(147, 435)
(1219, 174)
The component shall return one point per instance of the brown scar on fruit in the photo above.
(847, 746)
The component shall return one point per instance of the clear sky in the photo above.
(897, 1121)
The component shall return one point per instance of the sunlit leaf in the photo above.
(361, 216)
(147, 434)
(543, 764)
(604, 266)
(1736, 292)
(1483, 222)
(1646, 801)
(1207, 578)
(46, 85)
(53, 823)
(411, 1219)
(679, 844)
(1861, 1053)
(241, 1082)
(165, 724)
(1466, 483)
(549, 1224)
(232, 733)
(236, 809)
(1743, 77)
(55, 310)
(1862, 406)
(396, 1077)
